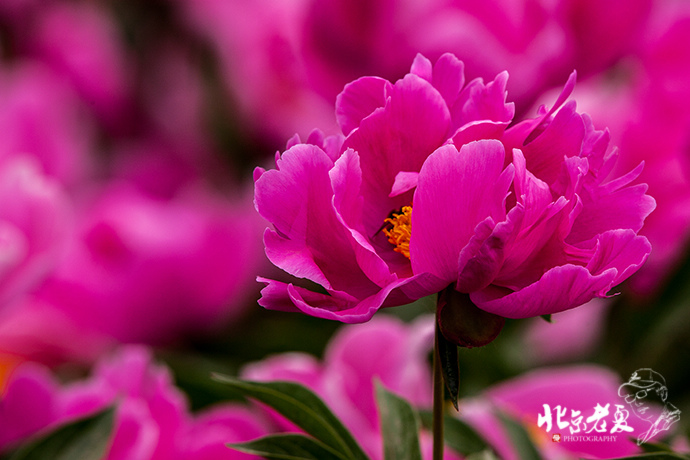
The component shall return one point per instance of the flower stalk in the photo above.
(438, 403)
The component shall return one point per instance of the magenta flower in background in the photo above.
(41, 116)
(152, 419)
(345, 378)
(284, 64)
(144, 269)
(345, 381)
(35, 218)
(642, 101)
(569, 336)
(428, 187)
(80, 42)
(575, 388)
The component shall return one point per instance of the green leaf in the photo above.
(547, 318)
(399, 426)
(483, 455)
(288, 447)
(458, 435)
(655, 447)
(302, 407)
(519, 438)
(85, 439)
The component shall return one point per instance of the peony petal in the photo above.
(309, 240)
(397, 138)
(481, 260)
(456, 191)
(327, 307)
(346, 178)
(404, 182)
(358, 100)
(478, 102)
(449, 77)
(421, 66)
(562, 138)
(559, 289)
(339, 306)
(612, 206)
(620, 249)
(575, 388)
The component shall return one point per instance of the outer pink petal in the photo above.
(578, 388)
(358, 100)
(422, 67)
(562, 138)
(456, 191)
(309, 240)
(449, 77)
(559, 289)
(620, 249)
(478, 102)
(340, 306)
(606, 209)
(322, 306)
(481, 260)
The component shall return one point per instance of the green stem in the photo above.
(437, 424)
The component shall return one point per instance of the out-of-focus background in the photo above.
(129, 131)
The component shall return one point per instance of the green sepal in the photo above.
(448, 356)
(463, 323)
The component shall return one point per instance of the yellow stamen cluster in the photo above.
(399, 233)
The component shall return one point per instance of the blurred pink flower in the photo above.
(642, 101)
(285, 63)
(345, 378)
(570, 335)
(599, 42)
(575, 388)
(41, 116)
(81, 43)
(153, 270)
(35, 218)
(516, 217)
(152, 418)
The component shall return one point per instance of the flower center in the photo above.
(398, 230)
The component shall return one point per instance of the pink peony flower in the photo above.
(81, 43)
(153, 270)
(152, 419)
(428, 187)
(34, 223)
(284, 63)
(574, 388)
(569, 336)
(345, 378)
(642, 101)
(41, 116)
